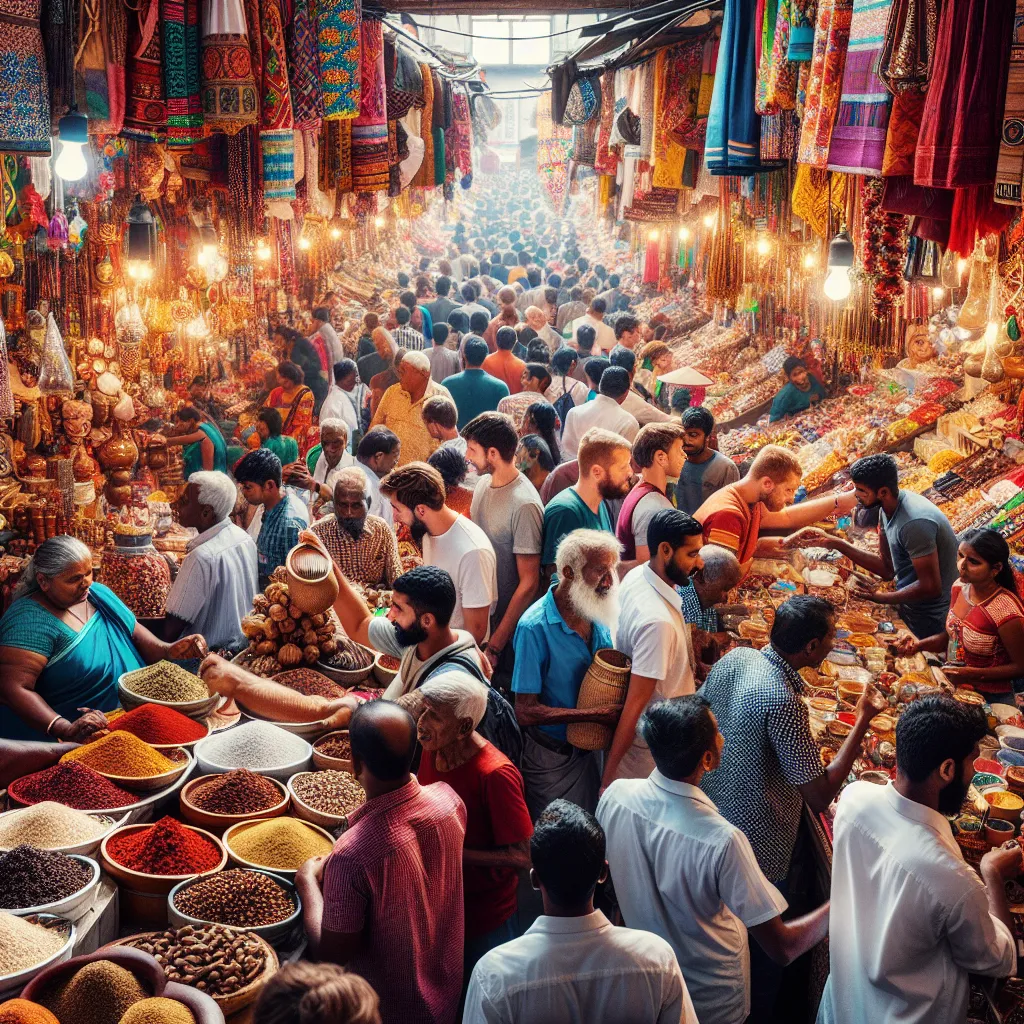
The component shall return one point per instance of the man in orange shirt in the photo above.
(502, 364)
(508, 315)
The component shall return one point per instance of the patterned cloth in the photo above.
(278, 148)
(676, 87)
(276, 101)
(304, 67)
(400, 414)
(769, 751)
(424, 177)
(279, 533)
(146, 107)
(181, 71)
(828, 61)
(695, 613)
(338, 23)
(24, 96)
(370, 129)
(100, 65)
(229, 89)
(974, 630)
(371, 560)
(1010, 167)
(780, 87)
(409, 338)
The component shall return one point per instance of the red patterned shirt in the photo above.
(396, 877)
(974, 629)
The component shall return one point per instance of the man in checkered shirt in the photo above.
(405, 336)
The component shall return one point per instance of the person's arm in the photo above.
(784, 941)
(907, 646)
(528, 569)
(810, 537)
(1011, 633)
(810, 511)
(153, 649)
(639, 692)
(18, 692)
(207, 452)
(516, 856)
(197, 435)
(529, 711)
(475, 620)
(999, 866)
(23, 757)
(330, 896)
(926, 587)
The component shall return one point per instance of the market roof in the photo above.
(497, 6)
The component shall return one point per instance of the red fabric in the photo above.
(507, 367)
(318, 343)
(492, 790)
(624, 527)
(395, 876)
(974, 630)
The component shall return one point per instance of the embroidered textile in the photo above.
(102, 31)
(278, 148)
(424, 177)
(462, 135)
(825, 84)
(370, 128)
(801, 29)
(811, 197)
(780, 87)
(181, 71)
(304, 67)
(146, 108)
(767, 16)
(24, 90)
(229, 89)
(909, 45)
(276, 106)
(605, 160)
(338, 25)
(1010, 167)
(902, 132)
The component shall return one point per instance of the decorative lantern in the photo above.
(140, 240)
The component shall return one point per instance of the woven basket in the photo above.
(311, 582)
(604, 684)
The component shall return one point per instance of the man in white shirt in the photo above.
(346, 400)
(572, 964)
(450, 541)
(654, 635)
(318, 486)
(378, 453)
(216, 583)
(683, 872)
(634, 402)
(594, 317)
(913, 919)
(332, 343)
(604, 411)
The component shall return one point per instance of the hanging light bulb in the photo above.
(262, 250)
(961, 266)
(335, 233)
(764, 246)
(840, 263)
(140, 240)
(684, 234)
(709, 220)
(73, 134)
(379, 222)
(938, 291)
(810, 261)
(305, 243)
(653, 236)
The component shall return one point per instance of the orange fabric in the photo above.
(507, 367)
(731, 523)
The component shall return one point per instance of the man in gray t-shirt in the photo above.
(705, 470)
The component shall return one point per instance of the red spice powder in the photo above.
(157, 724)
(165, 848)
(72, 784)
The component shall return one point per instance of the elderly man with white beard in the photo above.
(554, 645)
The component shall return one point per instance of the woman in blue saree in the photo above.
(204, 445)
(63, 644)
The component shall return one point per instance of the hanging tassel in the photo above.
(57, 232)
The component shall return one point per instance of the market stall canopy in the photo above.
(494, 6)
(686, 376)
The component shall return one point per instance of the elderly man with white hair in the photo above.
(537, 319)
(216, 583)
(401, 407)
(498, 824)
(702, 605)
(554, 644)
(333, 458)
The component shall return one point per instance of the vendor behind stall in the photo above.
(64, 642)
(204, 446)
(801, 391)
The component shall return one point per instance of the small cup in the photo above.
(998, 831)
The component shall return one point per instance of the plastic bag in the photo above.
(55, 374)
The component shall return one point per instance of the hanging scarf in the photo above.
(462, 135)
(304, 67)
(605, 160)
(338, 34)
(146, 107)
(229, 89)
(276, 101)
(100, 65)
(181, 71)
(1010, 167)
(801, 29)
(780, 88)
(424, 177)
(370, 128)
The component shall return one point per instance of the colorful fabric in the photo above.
(1010, 166)
(553, 143)
(462, 132)
(908, 48)
(370, 128)
(181, 71)
(24, 93)
(858, 139)
(146, 107)
(302, 48)
(229, 89)
(100, 65)
(338, 37)
(963, 112)
(768, 16)
(276, 101)
(605, 160)
(902, 132)
(811, 197)
(192, 454)
(780, 86)
(801, 29)
(278, 148)
(424, 177)
(677, 125)
(973, 629)
(828, 62)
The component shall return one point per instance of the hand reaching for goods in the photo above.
(808, 537)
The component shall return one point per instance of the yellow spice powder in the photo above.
(285, 843)
(121, 753)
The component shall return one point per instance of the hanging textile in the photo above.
(424, 177)
(553, 142)
(338, 32)
(278, 150)
(734, 129)
(858, 139)
(403, 81)
(229, 90)
(275, 96)
(370, 128)
(908, 48)
(958, 145)
(462, 133)
(59, 22)
(604, 159)
(437, 125)
(801, 29)
(181, 71)
(1010, 165)
(902, 132)
(100, 64)
(767, 16)
(302, 50)
(780, 84)
(828, 61)
(146, 109)
(254, 33)
(672, 82)
(811, 197)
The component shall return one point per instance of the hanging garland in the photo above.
(885, 248)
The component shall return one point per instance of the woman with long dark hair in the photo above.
(984, 633)
(542, 419)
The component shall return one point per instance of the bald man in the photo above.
(702, 604)
(364, 906)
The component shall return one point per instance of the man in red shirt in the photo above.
(498, 826)
(503, 364)
(387, 902)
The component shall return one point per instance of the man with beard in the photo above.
(362, 546)
(449, 540)
(605, 473)
(705, 470)
(555, 643)
(917, 547)
(771, 764)
(734, 516)
(653, 634)
(914, 919)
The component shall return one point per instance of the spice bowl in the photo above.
(307, 812)
(325, 761)
(11, 984)
(197, 709)
(276, 934)
(218, 823)
(997, 831)
(186, 745)
(384, 674)
(182, 759)
(235, 830)
(282, 772)
(307, 730)
(89, 846)
(69, 904)
(349, 676)
(1004, 804)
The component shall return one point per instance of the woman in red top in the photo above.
(984, 633)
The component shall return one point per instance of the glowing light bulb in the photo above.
(938, 291)
(684, 234)
(207, 255)
(379, 222)
(709, 221)
(71, 165)
(810, 261)
(961, 266)
(837, 284)
(335, 233)
(140, 270)
(991, 331)
(305, 243)
(764, 246)
(653, 236)
(262, 251)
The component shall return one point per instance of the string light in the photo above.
(335, 233)
(709, 220)
(938, 291)
(262, 251)
(684, 234)
(379, 222)
(653, 236)
(305, 243)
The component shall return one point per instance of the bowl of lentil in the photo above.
(161, 727)
(169, 686)
(326, 797)
(241, 899)
(217, 802)
(280, 845)
(29, 945)
(62, 883)
(333, 751)
(131, 763)
(152, 859)
(52, 826)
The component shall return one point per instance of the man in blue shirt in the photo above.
(475, 391)
(555, 643)
(802, 391)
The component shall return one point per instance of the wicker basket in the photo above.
(604, 684)
(311, 582)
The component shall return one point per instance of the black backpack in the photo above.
(563, 404)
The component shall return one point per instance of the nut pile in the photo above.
(335, 746)
(282, 636)
(329, 791)
(310, 683)
(211, 958)
(240, 898)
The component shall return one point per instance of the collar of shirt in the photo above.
(790, 674)
(548, 925)
(921, 815)
(683, 789)
(387, 802)
(206, 535)
(670, 594)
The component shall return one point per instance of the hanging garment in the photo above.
(24, 97)
(902, 132)
(370, 128)
(858, 138)
(811, 195)
(229, 89)
(768, 12)
(604, 158)
(100, 67)
(828, 60)
(1010, 165)
(780, 85)
(146, 107)
(275, 96)
(278, 149)
(908, 47)
(958, 145)
(338, 32)
(801, 29)
(181, 71)
(304, 67)
(425, 173)
(670, 94)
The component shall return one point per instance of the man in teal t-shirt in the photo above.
(268, 426)
(474, 391)
(802, 391)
